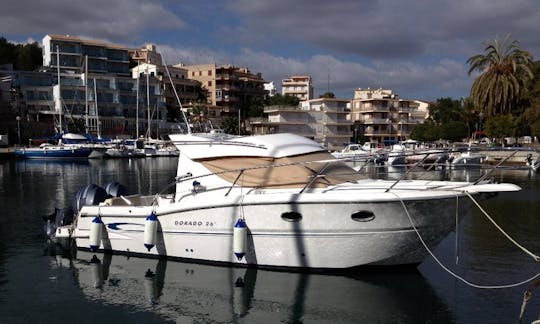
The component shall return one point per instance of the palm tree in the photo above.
(505, 69)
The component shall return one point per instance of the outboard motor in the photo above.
(91, 195)
(529, 159)
(115, 189)
(59, 217)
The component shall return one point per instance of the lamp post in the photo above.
(18, 119)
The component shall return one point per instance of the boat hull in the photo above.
(325, 235)
(63, 153)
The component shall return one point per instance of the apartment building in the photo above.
(229, 88)
(323, 120)
(147, 54)
(381, 116)
(73, 51)
(91, 81)
(185, 88)
(270, 89)
(298, 86)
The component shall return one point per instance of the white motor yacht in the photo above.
(278, 200)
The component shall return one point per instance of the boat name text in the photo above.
(193, 223)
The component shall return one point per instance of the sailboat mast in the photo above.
(177, 98)
(86, 93)
(97, 115)
(137, 103)
(59, 89)
(148, 130)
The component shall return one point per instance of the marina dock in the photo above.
(7, 152)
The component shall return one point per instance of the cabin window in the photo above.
(363, 216)
(291, 216)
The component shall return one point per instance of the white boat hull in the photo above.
(302, 208)
(325, 237)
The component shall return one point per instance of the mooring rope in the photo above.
(534, 256)
(453, 274)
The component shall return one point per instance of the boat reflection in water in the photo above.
(186, 292)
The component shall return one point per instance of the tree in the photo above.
(230, 125)
(428, 131)
(445, 110)
(454, 130)
(26, 57)
(327, 95)
(500, 126)
(7, 52)
(505, 70)
(535, 128)
(29, 57)
(279, 100)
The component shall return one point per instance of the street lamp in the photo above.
(18, 119)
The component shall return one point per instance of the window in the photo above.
(200, 73)
(209, 83)
(209, 72)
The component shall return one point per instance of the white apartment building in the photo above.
(381, 116)
(270, 89)
(323, 120)
(299, 86)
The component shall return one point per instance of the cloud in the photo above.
(392, 29)
(417, 48)
(444, 78)
(116, 21)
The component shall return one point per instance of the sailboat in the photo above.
(155, 147)
(63, 147)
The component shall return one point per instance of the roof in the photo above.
(91, 42)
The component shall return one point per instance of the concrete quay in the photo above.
(7, 152)
(519, 157)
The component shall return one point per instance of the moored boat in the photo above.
(277, 200)
(51, 151)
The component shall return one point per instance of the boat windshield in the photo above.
(286, 172)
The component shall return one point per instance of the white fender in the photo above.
(239, 239)
(150, 231)
(96, 228)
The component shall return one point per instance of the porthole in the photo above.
(291, 216)
(363, 216)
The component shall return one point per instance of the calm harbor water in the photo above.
(39, 286)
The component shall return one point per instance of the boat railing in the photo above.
(312, 178)
(189, 177)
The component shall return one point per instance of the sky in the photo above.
(417, 48)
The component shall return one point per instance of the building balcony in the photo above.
(404, 109)
(290, 91)
(227, 99)
(371, 109)
(282, 108)
(378, 121)
(337, 123)
(286, 122)
(337, 135)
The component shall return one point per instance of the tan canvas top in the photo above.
(286, 172)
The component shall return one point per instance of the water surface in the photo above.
(37, 285)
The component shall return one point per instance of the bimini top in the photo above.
(264, 161)
(204, 146)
